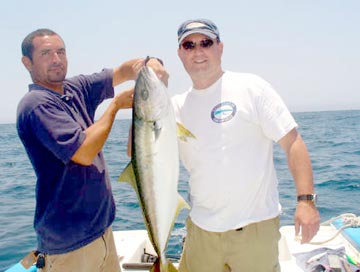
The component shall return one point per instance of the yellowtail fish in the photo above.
(154, 167)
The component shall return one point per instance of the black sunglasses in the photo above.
(189, 45)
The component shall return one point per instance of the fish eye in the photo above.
(144, 94)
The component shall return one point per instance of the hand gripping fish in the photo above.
(154, 167)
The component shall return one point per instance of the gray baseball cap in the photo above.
(202, 26)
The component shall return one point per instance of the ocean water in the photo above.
(332, 138)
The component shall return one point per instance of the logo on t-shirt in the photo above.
(223, 112)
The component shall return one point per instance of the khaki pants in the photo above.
(98, 256)
(253, 248)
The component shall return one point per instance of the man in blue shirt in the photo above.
(55, 122)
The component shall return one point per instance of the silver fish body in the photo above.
(154, 167)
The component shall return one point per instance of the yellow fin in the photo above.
(182, 204)
(183, 133)
(128, 176)
(171, 267)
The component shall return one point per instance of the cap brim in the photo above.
(199, 31)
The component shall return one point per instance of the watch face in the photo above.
(315, 198)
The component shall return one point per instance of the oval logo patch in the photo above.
(223, 112)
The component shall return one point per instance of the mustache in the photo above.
(56, 66)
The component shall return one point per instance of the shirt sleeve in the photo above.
(59, 133)
(93, 89)
(274, 116)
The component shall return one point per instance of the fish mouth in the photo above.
(150, 99)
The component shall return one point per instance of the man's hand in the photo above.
(126, 71)
(159, 70)
(306, 220)
(124, 99)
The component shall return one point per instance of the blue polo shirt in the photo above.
(74, 203)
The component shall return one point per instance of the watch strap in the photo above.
(310, 197)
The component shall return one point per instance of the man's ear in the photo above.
(221, 44)
(27, 63)
(179, 53)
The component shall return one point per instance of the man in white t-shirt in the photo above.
(233, 224)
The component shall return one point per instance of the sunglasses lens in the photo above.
(206, 43)
(188, 45)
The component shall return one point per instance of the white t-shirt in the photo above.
(232, 176)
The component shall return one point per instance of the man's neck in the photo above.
(201, 83)
(59, 88)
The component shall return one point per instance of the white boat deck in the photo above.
(132, 244)
(288, 246)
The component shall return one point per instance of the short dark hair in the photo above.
(27, 46)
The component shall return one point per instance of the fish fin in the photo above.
(157, 129)
(128, 175)
(183, 133)
(171, 267)
(168, 266)
(182, 204)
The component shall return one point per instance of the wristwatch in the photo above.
(310, 197)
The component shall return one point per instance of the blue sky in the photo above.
(309, 50)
